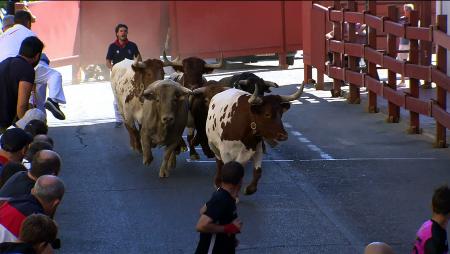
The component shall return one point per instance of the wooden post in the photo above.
(337, 57)
(414, 120)
(372, 68)
(320, 82)
(354, 94)
(425, 46)
(441, 95)
(394, 110)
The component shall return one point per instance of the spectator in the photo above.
(7, 22)
(378, 248)
(36, 233)
(30, 115)
(12, 38)
(51, 78)
(9, 170)
(16, 81)
(45, 197)
(33, 148)
(44, 138)
(404, 43)
(432, 235)
(218, 217)
(45, 76)
(35, 127)
(120, 49)
(14, 144)
(44, 162)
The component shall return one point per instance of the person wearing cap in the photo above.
(16, 81)
(51, 78)
(45, 162)
(14, 144)
(7, 22)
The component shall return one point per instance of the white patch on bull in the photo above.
(223, 104)
(122, 80)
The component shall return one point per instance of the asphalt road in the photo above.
(343, 179)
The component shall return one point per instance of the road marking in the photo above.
(312, 147)
(287, 125)
(211, 161)
(365, 159)
(296, 133)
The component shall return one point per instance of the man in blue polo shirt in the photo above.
(120, 49)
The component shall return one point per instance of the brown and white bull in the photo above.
(129, 79)
(237, 123)
(190, 74)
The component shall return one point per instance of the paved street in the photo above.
(343, 179)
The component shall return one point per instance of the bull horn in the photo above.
(167, 62)
(217, 65)
(198, 91)
(185, 90)
(138, 63)
(295, 96)
(255, 99)
(271, 84)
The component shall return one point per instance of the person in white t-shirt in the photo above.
(7, 22)
(12, 38)
(45, 76)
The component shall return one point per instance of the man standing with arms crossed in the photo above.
(120, 49)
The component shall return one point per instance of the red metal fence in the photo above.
(416, 68)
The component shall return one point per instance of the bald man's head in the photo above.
(378, 248)
(43, 137)
(45, 162)
(49, 188)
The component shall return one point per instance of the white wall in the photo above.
(443, 7)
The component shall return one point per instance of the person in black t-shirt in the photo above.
(16, 81)
(120, 49)
(219, 223)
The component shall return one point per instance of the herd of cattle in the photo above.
(230, 119)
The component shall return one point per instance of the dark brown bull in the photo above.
(247, 81)
(192, 70)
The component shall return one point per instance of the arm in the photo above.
(205, 225)
(108, 63)
(23, 97)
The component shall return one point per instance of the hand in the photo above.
(233, 228)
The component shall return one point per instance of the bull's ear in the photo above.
(285, 106)
(136, 68)
(148, 95)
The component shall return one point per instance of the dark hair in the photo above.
(35, 127)
(38, 228)
(441, 200)
(9, 170)
(35, 147)
(31, 46)
(43, 164)
(119, 26)
(232, 172)
(22, 17)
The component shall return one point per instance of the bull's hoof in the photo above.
(163, 174)
(194, 157)
(147, 161)
(249, 190)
